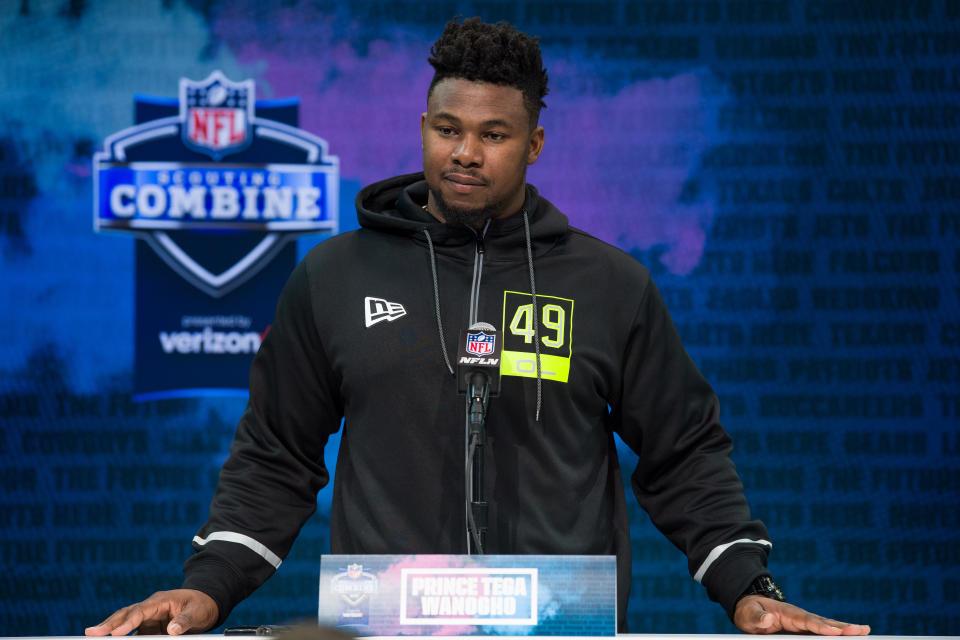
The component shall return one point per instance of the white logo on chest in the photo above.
(377, 310)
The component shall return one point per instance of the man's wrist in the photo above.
(763, 586)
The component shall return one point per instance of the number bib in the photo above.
(555, 328)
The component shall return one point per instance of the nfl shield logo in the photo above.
(354, 570)
(217, 114)
(480, 343)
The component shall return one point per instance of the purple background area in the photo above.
(369, 112)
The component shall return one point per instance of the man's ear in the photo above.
(537, 138)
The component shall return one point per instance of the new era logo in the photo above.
(377, 310)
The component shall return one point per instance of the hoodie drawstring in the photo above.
(535, 309)
(436, 302)
(536, 313)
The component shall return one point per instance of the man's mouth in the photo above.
(463, 183)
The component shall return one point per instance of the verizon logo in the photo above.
(210, 341)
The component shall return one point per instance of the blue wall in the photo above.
(790, 172)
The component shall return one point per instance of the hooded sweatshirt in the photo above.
(365, 331)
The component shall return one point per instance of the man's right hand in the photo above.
(172, 612)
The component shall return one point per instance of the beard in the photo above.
(475, 217)
(453, 214)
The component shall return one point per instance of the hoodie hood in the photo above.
(396, 206)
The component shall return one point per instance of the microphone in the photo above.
(478, 360)
(478, 376)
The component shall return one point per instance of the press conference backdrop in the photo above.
(789, 171)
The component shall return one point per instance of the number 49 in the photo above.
(553, 317)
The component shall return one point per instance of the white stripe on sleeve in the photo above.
(717, 551)
(245, 540)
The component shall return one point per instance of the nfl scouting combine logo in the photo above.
(215, 183)
(216, 169)
(354, 587)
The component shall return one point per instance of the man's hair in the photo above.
(494, 53)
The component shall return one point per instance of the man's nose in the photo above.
(469, 153)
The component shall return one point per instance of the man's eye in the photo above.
(496, 137)
(445, 131)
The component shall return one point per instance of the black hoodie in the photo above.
(366, 329)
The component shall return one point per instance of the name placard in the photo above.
(392, 595)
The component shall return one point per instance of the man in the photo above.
(364, 328)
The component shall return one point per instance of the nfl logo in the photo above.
(216, 115)
(354, 570)
(480, 343)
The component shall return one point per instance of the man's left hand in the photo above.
(757, 614)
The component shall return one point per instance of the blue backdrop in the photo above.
(789, 170)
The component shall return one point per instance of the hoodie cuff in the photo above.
(733, 572)
(217, 579)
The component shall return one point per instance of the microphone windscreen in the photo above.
(479, 353)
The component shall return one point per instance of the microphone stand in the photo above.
(478, 397)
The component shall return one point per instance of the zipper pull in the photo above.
(480, 233)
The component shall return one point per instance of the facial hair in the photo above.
(460, 215)
(453, 214)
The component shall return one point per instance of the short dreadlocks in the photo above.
(494, 53)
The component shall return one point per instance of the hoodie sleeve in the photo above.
(268, 485)
(685, 479)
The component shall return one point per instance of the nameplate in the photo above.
(456, 595)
